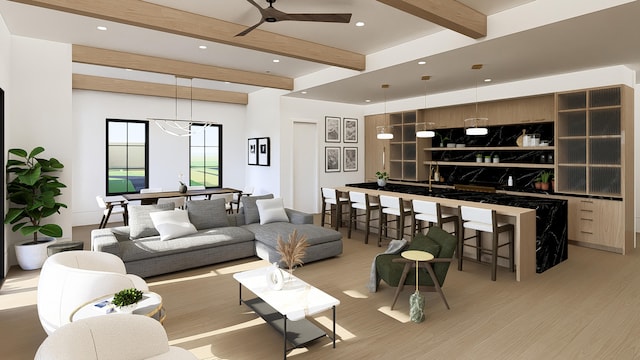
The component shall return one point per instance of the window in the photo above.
(205, 165)
(127, 156)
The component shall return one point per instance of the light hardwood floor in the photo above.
(585, 308)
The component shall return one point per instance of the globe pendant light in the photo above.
(476, 125)
(425, 130)
(384, 131)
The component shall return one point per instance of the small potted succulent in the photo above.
(382, 178)
(126, 300)
(545, 177)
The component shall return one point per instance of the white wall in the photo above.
(296, 109)
(39, 113)
(168, 154)
(263, 120)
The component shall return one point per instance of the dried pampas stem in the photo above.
(292, 252)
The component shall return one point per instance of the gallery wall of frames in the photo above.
(339, 157)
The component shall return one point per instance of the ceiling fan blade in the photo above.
(337, 18)
(248, 30)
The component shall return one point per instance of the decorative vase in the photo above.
(544, 186)
(182, 188)
(32, 255)
(382, 182)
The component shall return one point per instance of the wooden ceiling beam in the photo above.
(124, 60)
(165, 19)
(450, 14)
(122, 86)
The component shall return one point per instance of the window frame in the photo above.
(146, 154)
(220, 152)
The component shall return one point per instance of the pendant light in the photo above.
(384, 131)
(425, 130)
(178, 126)
(476, 125)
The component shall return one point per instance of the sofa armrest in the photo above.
(299, 217)
(105, 240)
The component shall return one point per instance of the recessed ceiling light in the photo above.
(202, 47)
(227, 82)
(276, 60)
(128, 69)
(360, 24)
(304, 92)
(368, 100)
(487, 80)
(102, 28)
(422, 62)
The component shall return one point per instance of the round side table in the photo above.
(416, 301)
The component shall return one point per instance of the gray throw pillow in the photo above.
(251, 213)
(207, 214)
(140, 223)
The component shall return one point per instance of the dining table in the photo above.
(152, 197)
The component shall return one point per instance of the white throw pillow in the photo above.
(271, 210)
(172, 224)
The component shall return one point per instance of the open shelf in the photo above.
(491, 164)
(492, 148)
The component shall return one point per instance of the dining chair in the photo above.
(116, 205)
(485, 220)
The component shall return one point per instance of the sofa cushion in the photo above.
(140, 224)
(151, 247)
(271, 210)
(207, 214)
(268, 233)
(172, 224)
(251, 214)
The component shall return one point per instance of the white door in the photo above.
(305, 167)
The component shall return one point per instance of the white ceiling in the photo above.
(596, 39)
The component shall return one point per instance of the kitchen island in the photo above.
(540, 224)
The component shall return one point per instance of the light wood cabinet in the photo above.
(597, 223)
(376, 151)
(405, 149)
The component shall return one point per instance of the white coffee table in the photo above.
(286, 309)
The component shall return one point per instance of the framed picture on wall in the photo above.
(332, 129)
(350, 159)
(331, 159)
(252, 151)
(264, 150)
(350, 132)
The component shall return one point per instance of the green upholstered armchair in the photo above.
(397, 271)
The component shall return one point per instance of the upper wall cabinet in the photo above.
(590, 132)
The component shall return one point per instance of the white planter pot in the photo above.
(382, 182)
(128, 309)
(31, 256)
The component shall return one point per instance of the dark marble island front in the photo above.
(550, 223)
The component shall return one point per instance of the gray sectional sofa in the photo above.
(218, 237)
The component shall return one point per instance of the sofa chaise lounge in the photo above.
(217, 237)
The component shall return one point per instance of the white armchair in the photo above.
(70, 279)
(117, 336)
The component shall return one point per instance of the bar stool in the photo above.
(392, 205)
(485, 220)
(430, 212)
(361, 201)
(330, 197)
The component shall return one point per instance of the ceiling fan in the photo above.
(271, 14)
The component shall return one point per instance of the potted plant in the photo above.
(126, 300)
(32, 190)
(382, 178)
(443, 140)
(545, 176)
